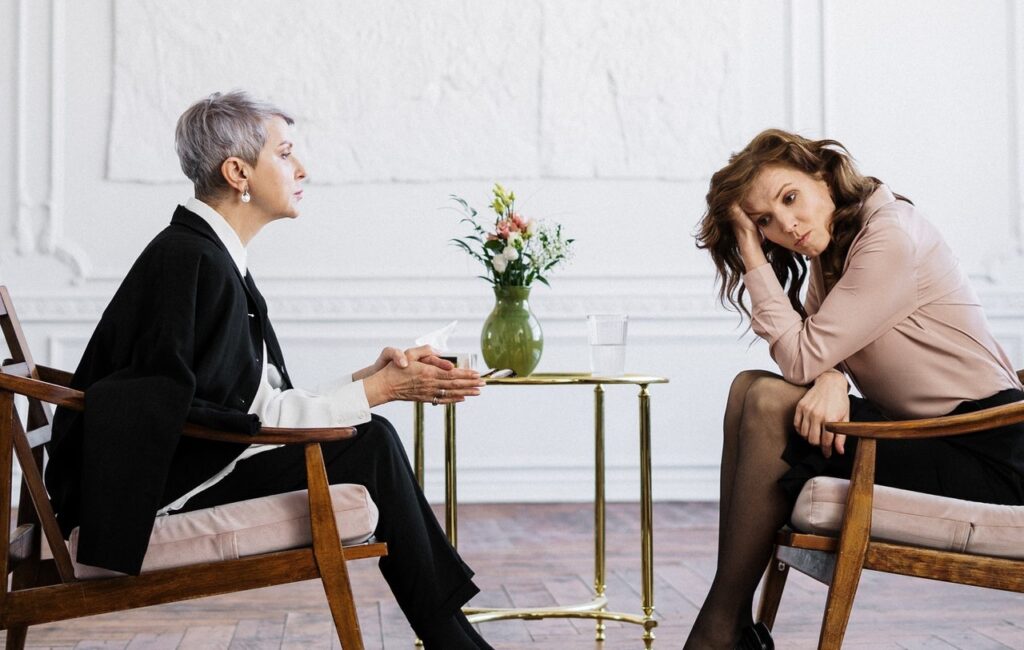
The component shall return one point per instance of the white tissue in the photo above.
(438, 339)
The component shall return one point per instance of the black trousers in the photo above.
(428, 578)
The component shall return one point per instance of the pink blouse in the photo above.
(902, 319)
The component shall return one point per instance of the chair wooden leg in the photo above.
(16, 637)
(339, 597)
(853, 546)
(330, 557)
(838, 608)
(771, 592)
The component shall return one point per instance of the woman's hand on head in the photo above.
(748, 238)
(420, 375)
(826, 401)
(742, 225)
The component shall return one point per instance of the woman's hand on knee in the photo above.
(825, 401)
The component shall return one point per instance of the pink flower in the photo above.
(503, 229)
(491, 237)
(519, 222)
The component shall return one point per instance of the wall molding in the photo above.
(1015, 82)
(1002, 302)
(806, 72)
(1015, 47)
(39, 222)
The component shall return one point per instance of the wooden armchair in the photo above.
(42, 591)
(881, 528)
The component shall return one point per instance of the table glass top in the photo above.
(574, 378)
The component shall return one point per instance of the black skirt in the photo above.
(986, 466)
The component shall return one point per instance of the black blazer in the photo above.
(182, 339)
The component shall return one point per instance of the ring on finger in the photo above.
(434, 401)
(441, 393)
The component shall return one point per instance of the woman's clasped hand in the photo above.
(417, 375)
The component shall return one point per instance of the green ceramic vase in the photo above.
(512, 337)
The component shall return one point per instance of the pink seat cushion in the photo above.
(274, 523)
(916, 518)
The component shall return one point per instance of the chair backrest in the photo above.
(35, 513)
(21, 362)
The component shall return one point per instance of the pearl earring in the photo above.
(245, 195)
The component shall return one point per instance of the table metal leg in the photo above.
(599, 505)
(451, 504)
(597, 608)
(417, 446)
(646, 517)
(417, 441)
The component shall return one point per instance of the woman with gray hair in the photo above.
(189, 325)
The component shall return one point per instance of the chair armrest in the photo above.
(54, 376)
(75, 399)
(271, 435)
(44, 390)
(950, 425)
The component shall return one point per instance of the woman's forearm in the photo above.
(751, 251)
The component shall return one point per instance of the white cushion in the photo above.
(273, 523)
(915, 518)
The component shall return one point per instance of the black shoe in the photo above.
(756, 637)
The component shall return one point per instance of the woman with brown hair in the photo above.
(886, 306)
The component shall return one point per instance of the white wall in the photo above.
(608, 117)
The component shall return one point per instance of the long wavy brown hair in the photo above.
(824, 159)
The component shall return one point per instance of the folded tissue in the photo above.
(438, 339)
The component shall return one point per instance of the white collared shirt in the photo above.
(341, 403)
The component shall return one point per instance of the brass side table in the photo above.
(596, 608)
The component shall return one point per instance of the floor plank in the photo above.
(539, 554)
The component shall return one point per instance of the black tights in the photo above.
(758, 421)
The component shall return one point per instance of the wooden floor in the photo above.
(535, 555)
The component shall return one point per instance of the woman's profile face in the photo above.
(791, 208)
(275, 182)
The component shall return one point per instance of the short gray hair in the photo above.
(219, 127)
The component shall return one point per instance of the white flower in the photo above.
(510, 253)
(515, 239)
(499, 263)
(531, 227)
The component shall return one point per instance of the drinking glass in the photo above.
(607, 336)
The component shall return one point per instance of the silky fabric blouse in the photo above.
(902, 320)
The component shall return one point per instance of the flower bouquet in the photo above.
(518, 250)
(514, 254)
